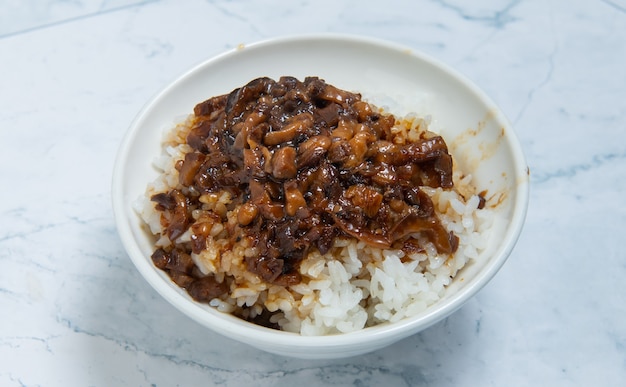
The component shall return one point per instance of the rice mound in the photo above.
(350, 287)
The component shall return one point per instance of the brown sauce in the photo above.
(307, 163)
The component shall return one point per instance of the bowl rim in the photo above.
(233, 327)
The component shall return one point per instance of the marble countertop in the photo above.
(75, 312)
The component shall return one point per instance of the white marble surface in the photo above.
(75, 312)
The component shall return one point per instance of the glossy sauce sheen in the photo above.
(306, 163)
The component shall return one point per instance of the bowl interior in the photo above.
(479, 136)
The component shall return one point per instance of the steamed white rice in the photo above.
(352, 286)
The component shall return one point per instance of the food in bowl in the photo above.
(299, 206)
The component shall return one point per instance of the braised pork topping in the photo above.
(305, 163)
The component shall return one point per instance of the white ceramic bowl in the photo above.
(479, 135)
